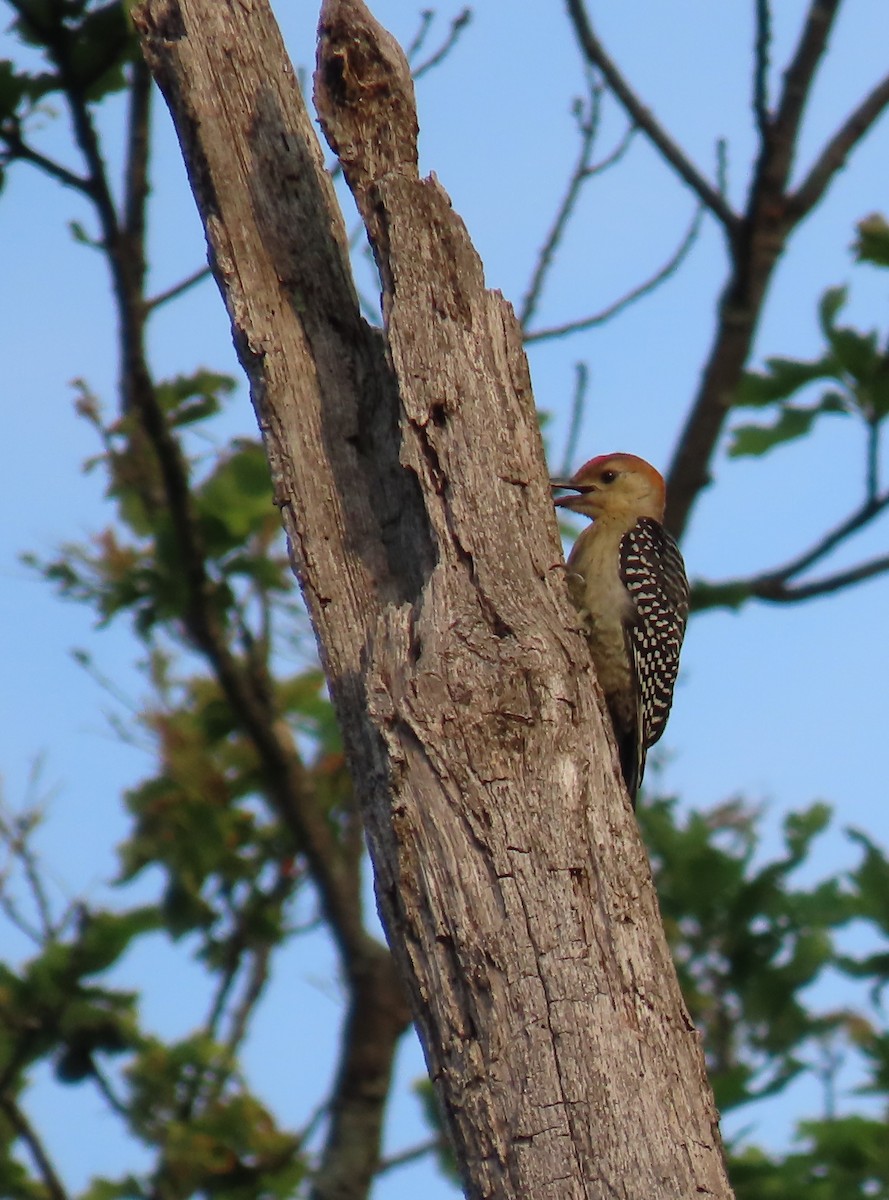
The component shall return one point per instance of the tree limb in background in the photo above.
(834, 154)
(757, 236)
(178, 289)
(578, 406)
(162, 475)
(13, 1113)
(458, 24)
(762, 46)
(597, 56)
(588, 116)
(670, 267)
(776, 585)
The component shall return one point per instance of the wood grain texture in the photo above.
(410, 474)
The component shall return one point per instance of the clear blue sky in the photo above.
(782, 706)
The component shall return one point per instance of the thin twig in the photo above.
(458, 24)
(223, 990)
(778, 147)
(17, 148)
(404, 1157)
(630, 297)
(177, 289)
(761, 68)
(774, 585)
(109, 1095)
(616, 154)
(427, 16)
(588, 125)
(10, 910)
(584, 169)
(25, 1131)
(836, 151)
(135, 183)
(35, 883)
(256, 980)
(88, 144)
(108, 685)
(722, 166)
(578, 404)
(828, 585)
(862, 517)
(11, 836)
(597, 56)
(873, 461)
(24, 826)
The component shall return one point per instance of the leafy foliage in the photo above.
(855, 364)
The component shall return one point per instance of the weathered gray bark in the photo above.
(410, 475)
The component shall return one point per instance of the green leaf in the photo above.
(190, 398)
(878, 390)
(800, 828)
(871, 882)
(831, 303)
(107, 935)
(236, 500)
(782, 377)
(34, 22)
(13, 87)
(872, 243)
(103, 44)
(755, 440)
(80, 235)
(113, 1189)
(856, 352)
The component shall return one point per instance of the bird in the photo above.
(627, 580)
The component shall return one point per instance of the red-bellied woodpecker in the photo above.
(627, 578)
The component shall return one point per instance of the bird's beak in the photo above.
(568, 486)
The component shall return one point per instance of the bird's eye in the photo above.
(608, 476)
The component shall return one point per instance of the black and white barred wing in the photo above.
(654, 574)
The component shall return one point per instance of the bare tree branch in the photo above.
(833, 157)
(722, 180)
(835, 537)
(798, 79)
(413, 1154)
(178, 289)
(773, 585)
(872, 470)
(584, 169)
(629, 298)
(578, 404)
(588, 125)
(16, 830)
(23, 1128)
(18, 148)
(417, 42)
(135, 190)
(733, 593)
(756, 245)
(257, 978)
(458, 24)
(598, 57)
(762, 46)
(103, 1085)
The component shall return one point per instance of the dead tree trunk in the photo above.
(410, 475)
